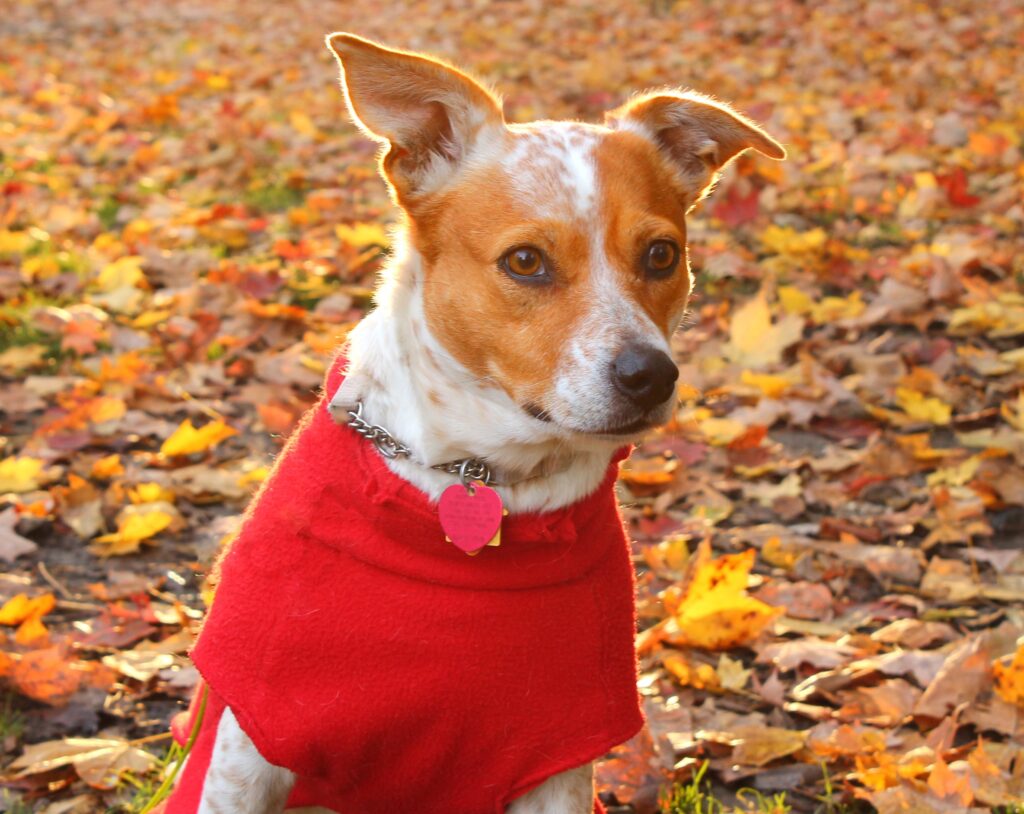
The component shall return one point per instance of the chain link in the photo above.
(468, 470)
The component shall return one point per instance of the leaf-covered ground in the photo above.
(828, 537)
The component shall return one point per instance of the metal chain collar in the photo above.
(468, 470)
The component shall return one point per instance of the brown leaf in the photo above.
(965, 673)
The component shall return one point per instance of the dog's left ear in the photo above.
(698, 134)
(430, 114)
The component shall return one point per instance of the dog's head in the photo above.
(554, 253)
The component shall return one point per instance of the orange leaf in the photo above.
(188, 439)
(715, 611)
(945, 783)
(32, 631)
(1009, 678)
(46, 675)
(19, 608)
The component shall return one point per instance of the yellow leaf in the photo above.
(20, 474)
(362, 235)
(773, 386)
(106, 408)
(19, 608)
(39, 268)
(955, 475)
(721, 431)
(254, 476)
(150, 493)
(783, 240)
(133, 528)
(715, 611)
(925, 180)
(124, 272)
(780, 554)
(754, 340)
(831, 309)
(793, 300)
(303, 124)
(15, 242)
(923, 408)
(108, 467)
(218, 81)
(188, 439)
(1009, 678)
(700, 676)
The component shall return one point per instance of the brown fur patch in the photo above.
(497, 327)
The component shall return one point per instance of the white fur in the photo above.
(395, 362)
(239, 779)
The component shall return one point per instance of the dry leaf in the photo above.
(715, 611)
(187, 439)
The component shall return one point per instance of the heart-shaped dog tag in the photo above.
(470, 517)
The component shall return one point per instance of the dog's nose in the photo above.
(645, 375)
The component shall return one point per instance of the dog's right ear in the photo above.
(429, 113)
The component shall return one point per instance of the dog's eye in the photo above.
(661, 259)
(524, 263)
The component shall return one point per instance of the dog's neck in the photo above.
(410, 385)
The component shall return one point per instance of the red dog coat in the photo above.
(390, 671)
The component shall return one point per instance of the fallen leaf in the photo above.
(187, 439)
(1009, 677)
(12, 544)
(758, 745)
(46, 675)
(754, 340)
(21, 474)
(100, 762)
(714, 611)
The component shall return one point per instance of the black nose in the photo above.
(645, 375)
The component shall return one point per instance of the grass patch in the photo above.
(12, 721)
(696, 797)
(274, 197)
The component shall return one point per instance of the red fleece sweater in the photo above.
(390, 671)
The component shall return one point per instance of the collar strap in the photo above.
(468, 470)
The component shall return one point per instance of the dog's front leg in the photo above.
(239, 780)
(571, 792)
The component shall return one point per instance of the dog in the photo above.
(355, 658)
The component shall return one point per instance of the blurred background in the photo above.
(189, 225)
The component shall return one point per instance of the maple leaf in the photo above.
(187, 439)
(754, 340)
(923, 408)
(19, 608)
(21, 474)
(1009, 677)
(362, 235)
(134, 525)
(714, 611)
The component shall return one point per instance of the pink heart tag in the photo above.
(470, 520)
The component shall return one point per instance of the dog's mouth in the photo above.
(637, 425)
